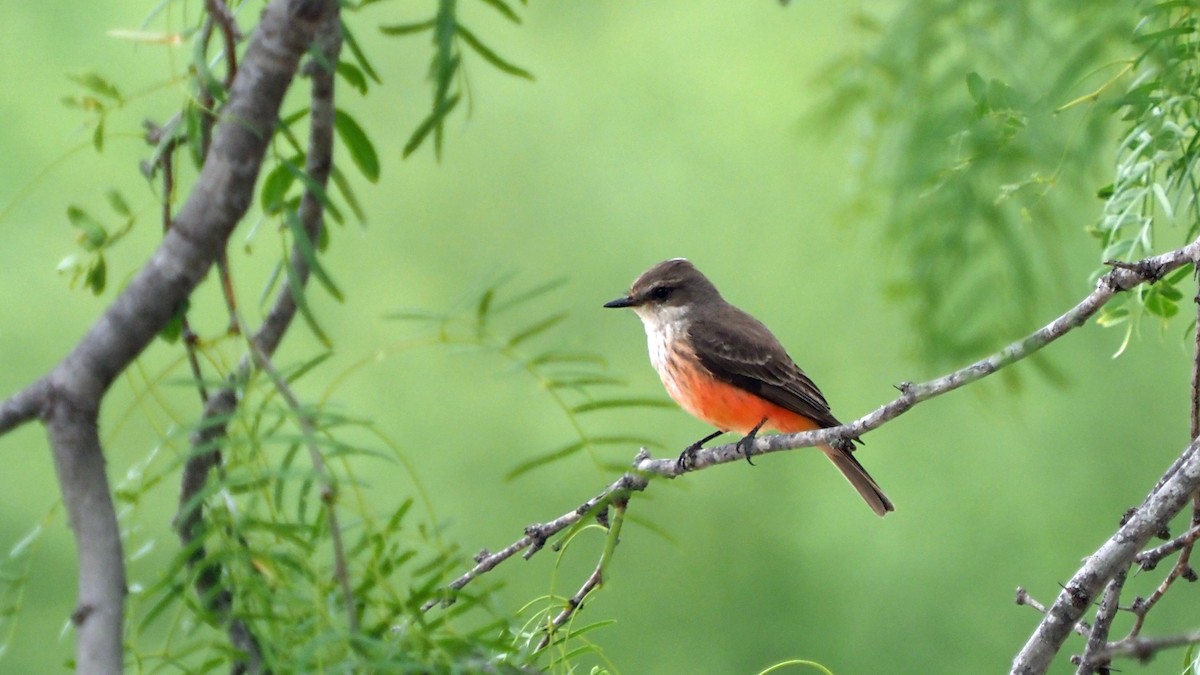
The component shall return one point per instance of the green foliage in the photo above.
(99, 98)
(266, 534)
(1155, 190)
(90, 266)
(448, 33)
(576, 382)
(972, 153)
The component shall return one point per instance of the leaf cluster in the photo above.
(974, 149)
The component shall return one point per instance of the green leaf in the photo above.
(343, 186)
(173, 329)
(362, 151)
(88, 103)
(1118, 250)
(305, 246)
(434, 120)
(583, 381)
(118, 203)
(92, 235)
(532, 293)
(98, 85)
(193, 117)
(315, 189)
(1169, 292)
(554, 455)
(353, 76)
(298, 295)
(503, 8)
(536, 329)
(977, 88)
(1157, 303)
(352, 43)
(98, 135)
(97, 275)
(606, 404)
(1112, 317)
(491, 56)
(485, 303)
(407, 28)
(275, 187)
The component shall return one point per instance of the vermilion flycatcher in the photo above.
(724, 367)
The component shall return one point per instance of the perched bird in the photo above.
(726, 368)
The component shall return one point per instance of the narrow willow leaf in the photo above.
(343, 186)
(98, 135)
(362, 151)
(173, 329)
(491, 56)
(481, 309)
(353, 75)
(607, 404)
(98, 85)
(118, 203)
(352, 43)
(566, 357)
(305, 246)
(532, 293)
(536, 329)
(97, 275)
(301, 300)
(1112, 317)
(407, 28)
(541, 460)
(582, 381)
(315, 189)
(434, 120)
(92, 235)
(503, 8)
(193, 118)
(273, 194)
(305, 367)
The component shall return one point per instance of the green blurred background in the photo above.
(653, 130)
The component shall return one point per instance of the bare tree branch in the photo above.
(1114, 556)
(69, 397)
(23, 406)
(1093, 659)
(1143, 649)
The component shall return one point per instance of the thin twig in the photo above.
(329, 490)
(166, 162)
(1024, 598)
(1144, 648)
(536, 535)
(1097, 641)
(220, 13)
(1150, 558)
(595, 579)
(1114, 556)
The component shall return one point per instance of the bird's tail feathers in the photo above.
(859, 478)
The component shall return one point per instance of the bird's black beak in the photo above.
(620, 302)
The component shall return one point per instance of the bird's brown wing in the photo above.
(739, 350)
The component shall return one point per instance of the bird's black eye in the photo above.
(660, 292)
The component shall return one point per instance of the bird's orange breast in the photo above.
(720, 404)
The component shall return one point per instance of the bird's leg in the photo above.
(746, 445)
(688, 456)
